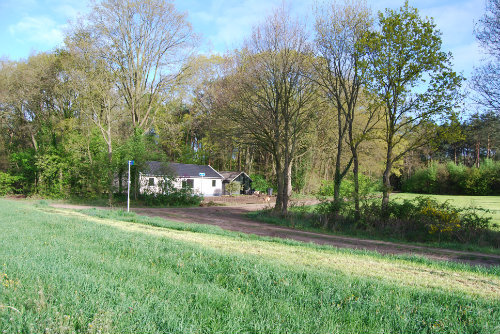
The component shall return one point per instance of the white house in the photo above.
(203, 179)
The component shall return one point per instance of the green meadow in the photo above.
(490, 203)
(96, 271)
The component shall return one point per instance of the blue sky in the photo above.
(28, 26)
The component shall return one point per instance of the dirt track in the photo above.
(232, 218)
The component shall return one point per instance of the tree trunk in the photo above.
(279, 193)
(355, 171)
(287, 187)
(34, 142)
(337, 179)
(110, 175)
(239, 158)
(488, 148)
(387, 181)
(477, 154)
(289, 176)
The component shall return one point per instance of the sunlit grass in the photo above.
(490, 203)
(69, 272)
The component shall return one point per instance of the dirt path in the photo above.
(232, 218)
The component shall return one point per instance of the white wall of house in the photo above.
(203, 186)
(147, 180)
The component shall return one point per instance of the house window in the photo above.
(151, 182)
(189, 183)
(214, 183)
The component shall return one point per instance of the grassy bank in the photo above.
(90, 272)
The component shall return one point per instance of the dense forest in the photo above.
(349, 96)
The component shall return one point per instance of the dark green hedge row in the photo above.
(451, 179)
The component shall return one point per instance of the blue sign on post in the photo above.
(201, 174)
(131, 162)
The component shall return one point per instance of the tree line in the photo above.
(353, 93)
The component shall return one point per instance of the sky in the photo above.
(30, 26)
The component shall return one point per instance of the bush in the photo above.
(456, 180)
(259, 183)
(171, 196)
(177, 198)
(425, 219)
(7, 182)
(424, 181)
(234, 187)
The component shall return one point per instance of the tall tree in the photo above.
(486, 79)
(98, 100)
(145, 42)
(412, 77)
(276, 94)
(340, 28)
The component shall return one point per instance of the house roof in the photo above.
(230, 176)
(180, 170)
(157, 168)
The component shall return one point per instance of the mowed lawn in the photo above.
(112, 272)
(491, 203)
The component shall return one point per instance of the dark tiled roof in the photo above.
(180, 170)
(230, 176)
(158, 168)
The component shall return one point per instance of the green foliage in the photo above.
(420, 219)
(233, 187)
(51, 175)
(259, 183)
(425, 219)
(7, 183)
(457, 180)
(180, 197)
(24, 168)
(413, 80)
(326, 189)
(366, 186)
(171, 196)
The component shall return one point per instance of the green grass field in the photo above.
(303, 220)
(491, 203)
(112, 272)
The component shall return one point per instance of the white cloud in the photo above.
(40, 30)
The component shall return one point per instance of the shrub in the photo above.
(7, 182)
(326, 189)
(425, 219)
(259, 183)
(456, 180)
(177, 198)
(423, 181)
(457, 177)
(171, 196)
(234, 187)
